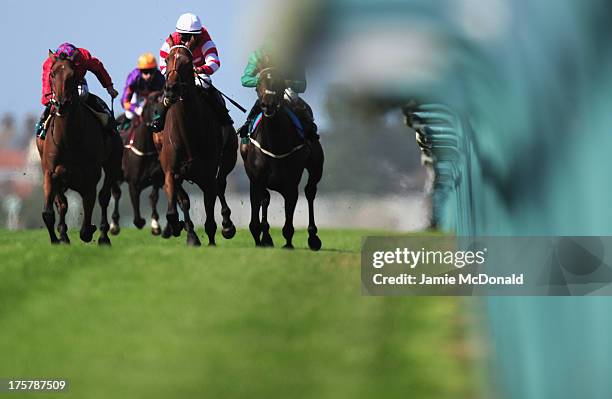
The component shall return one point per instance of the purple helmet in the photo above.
(67, 49)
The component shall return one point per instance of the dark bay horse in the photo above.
(75, 151)
(141, 167)
(275, 159)
(191, 145)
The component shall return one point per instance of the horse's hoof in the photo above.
(104, 241)
(65, 240)
(314, 243)
(174, 226)
(167, 233)
(228, 232)
(193, 240)
(178, 228)
(55, 241)
(87, 234)
(155, 227)
(267, 242)
(139, 223)
(114, 229)
(288, 246)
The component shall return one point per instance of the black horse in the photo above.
(141, 167)
(275, 159)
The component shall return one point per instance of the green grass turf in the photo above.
(150, 318)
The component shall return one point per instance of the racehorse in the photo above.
(275, 158)
(141, 167)
(75, 151)
(190, 145)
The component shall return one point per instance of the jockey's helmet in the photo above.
(67, 50)
(147, 61)
(189, 23)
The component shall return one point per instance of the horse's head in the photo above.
(270, 90)
(152, 105)
(179, 73)
(63, 84)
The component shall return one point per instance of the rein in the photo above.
(138, 152)
(265, 70)
(273, 155)
(268, 92)
(57, 114)
(181, 46)
(165, 100)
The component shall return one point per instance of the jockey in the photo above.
(190, 33)
(82, 61)
(296, 84)
(142, 81)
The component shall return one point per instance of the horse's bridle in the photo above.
(59, 105)
(63, 104)
(181, 85)
(266, 112)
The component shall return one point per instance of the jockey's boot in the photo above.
(103, 113)
(243, 132)
(123, 123)
(310, 131)
(40, 129)
(304, 113)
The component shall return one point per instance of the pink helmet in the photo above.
(68, 50)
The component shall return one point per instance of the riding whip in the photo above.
(240, 107)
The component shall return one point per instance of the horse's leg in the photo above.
(174, 226)
(227, 164)
(104, 199)
(184, 203)
(135, 190)
(61, 202)
(48, 214)
(228, 229)
(291, 197)
(153, 197)
(210, 198)
(116, 192)
(89, 200)
(266, 238)
(255, 224)
(314, 166)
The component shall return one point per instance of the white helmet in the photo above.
(188, 23)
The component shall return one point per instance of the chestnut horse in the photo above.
(75, 151)
(191, 143)
(141, 167)
(275, 159)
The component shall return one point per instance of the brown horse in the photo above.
(141, 167)
(190, 145)
(75, 151)
(275, 159)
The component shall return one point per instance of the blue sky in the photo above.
(116, 32)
